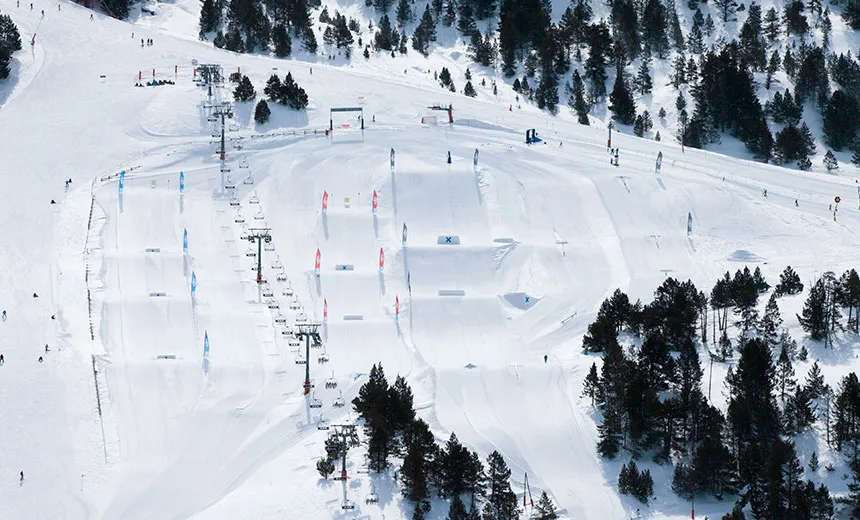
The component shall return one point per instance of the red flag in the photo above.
(325, 308)
(375, 201)
(325, 201)
(317, 261)
(396, 306)
(381, 259)
(153, 73)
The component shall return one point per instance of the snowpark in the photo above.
(459, 275)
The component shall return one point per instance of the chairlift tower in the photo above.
(348, 439)
(309, 331)
(259, 235)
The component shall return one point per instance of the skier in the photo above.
(40, 360)
(18, 3)
(764, 192)
(2, 360)
(35, 295)
(53, 201)
(46, 348)
(616, 157)
(67, 185)
(22, 476)
(544, 358)
(58, 7)
(796, 204)
(4, 315)
(141, 42)
(31, 6)
(91, 17)
(449, 157)
(43, 13)
(374, 118)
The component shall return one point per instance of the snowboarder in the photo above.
(22, 476)
(4, 315)
(35, 295)
(91, 17)
(796, 204)
(53, 201)
(544, 358)
(40, 360)
(449, 157)
(31, 6)
(2, 360)
(374, 118)
(764, 192)
(43, 13)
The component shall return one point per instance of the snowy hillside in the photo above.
(539, 236)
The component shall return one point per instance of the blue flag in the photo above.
(181, 182)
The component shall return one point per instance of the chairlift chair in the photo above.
(259, 215)
(322, 423)
(301, 317)
(295, 305)
(280, 318)
(288, 290)
(234, 201)
(272, 303)
(267, 291)
(268, 246)
(300, 360)
(322, 359)
(293, 342)
(287, 330)
(239, 219)
(248, 180)
(229, 184)
(282, 277)
(331, 382)
(314, 402)
(338, 401)
(348, 505)
(243, 163)
(276, 264)
(250, 252)
(254, 199)
(364, 468)
(371, 497)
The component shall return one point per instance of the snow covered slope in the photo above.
(545, 233)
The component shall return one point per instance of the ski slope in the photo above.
(540, 235)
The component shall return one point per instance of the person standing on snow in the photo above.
(544, 358)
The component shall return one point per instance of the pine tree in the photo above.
(849, 297)
(789, 283)
(404, 12)
(244, 90)
(262, 112)
(500, 497)
(210, 17)
(457, 510)
(544, 510)
(830, 161)
(273, 88)
(815, 382)
(622, 106)
(770, 322)
(643, 124)
(814, 316)
(325, 467)
(591, 387)
(425, 33)
(452, 466)
(578, 96)
(846, 424)
(643, 80)
(418, 467)
(282, 42)
(469, 90)
(726, 8)
(599, 46)
(785, 382)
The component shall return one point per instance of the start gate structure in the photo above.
(334, 110)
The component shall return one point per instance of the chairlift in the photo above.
(243, 163)
(229, 184)
(273, 304)
(212, 119)
(338, 401)
(276, 264)
(293, 342)
(300, 360)
(225, 169)
(248, 180)
(259, 215)
(267, 291)
(234, 201)
(216, 133)
(371, 497)
(268, 246)
(364, 468)
(280, 318)
(314, 402)
(322, 359)
(295, 305)
(301, 317)
(288, 290)
(331, 382)
(286, 331)
(239, 219)
(250, 252)
(348, 505)
(322, 423)
(254, 199)
(282, 277)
